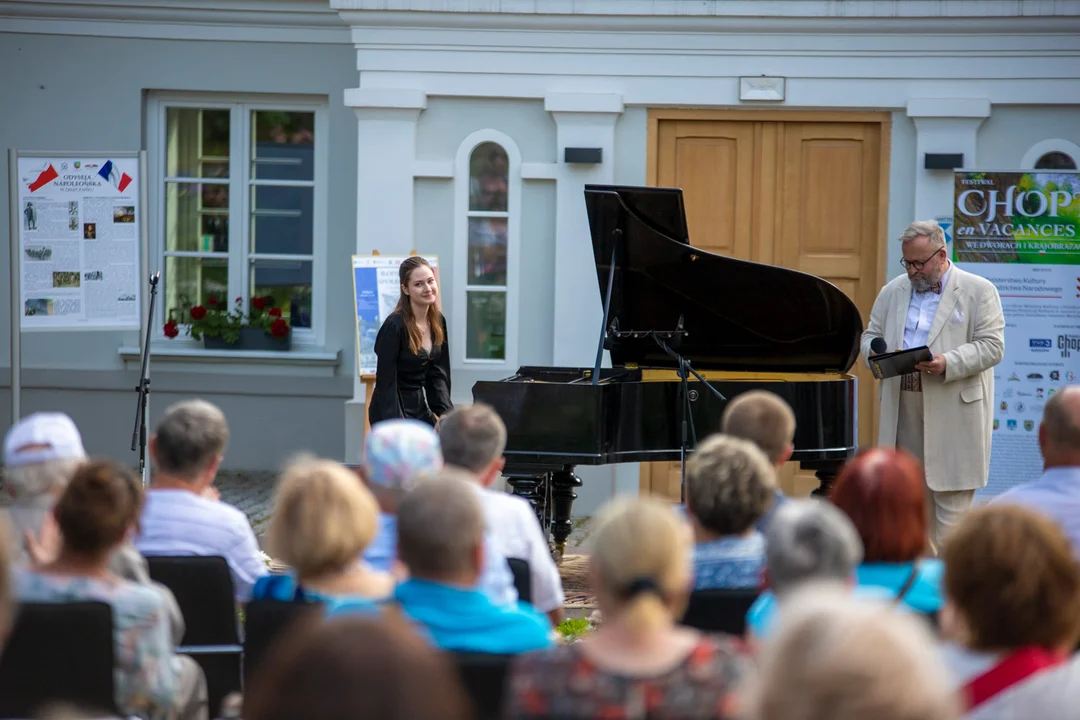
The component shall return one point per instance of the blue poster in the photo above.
(376, 291)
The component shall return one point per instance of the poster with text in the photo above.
(376, 291)
(1021, 231)
(79, 238)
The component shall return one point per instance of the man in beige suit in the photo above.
(942, 413)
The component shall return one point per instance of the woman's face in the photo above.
(422, 288)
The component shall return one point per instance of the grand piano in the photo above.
(675, 311)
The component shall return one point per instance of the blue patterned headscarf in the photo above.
(396, 451)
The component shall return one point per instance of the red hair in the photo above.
(883, 491)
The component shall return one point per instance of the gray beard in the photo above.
(922, 285)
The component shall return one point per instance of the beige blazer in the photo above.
(958, 407)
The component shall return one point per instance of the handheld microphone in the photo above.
(878, 346)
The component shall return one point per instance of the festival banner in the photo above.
(1021, 231)
(376, 288)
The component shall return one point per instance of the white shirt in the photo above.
(515, 533)
(920, 314)
(178, 522)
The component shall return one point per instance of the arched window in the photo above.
(1053, 154)
(488, 178)
(1055, 160)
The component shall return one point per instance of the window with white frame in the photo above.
(1052, 154)
(487, 254)
(241, 208)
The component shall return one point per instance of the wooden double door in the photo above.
(802, 190)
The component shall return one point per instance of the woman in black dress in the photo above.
(412, 377)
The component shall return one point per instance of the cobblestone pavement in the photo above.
(251, 492)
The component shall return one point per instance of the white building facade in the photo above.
(800, 131)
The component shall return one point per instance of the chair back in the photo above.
(719, 610)
(59, 652)
(203, 587)
(484, 677)
(266, 622)
(522, 578)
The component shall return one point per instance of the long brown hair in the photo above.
(404, 306)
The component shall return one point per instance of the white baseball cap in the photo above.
(42, 437)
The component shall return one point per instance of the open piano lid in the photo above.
(737, 314)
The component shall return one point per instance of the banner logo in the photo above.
(1068, 344)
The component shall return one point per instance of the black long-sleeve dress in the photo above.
(408, 384)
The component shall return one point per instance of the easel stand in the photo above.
(138, 436)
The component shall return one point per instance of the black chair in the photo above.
(265, 623)
(59, 652)
(203, 588)
(522, 578)
(719, 610)
(484, 677)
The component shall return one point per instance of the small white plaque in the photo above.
(761, 88)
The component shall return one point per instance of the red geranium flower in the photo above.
(239, 300)
(274, 312)
(198, 312)
(279, 328)
(171, 330)
(211, 300)
(258, 303)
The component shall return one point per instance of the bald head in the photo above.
(1059, 433)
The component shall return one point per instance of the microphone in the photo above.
(878, 346)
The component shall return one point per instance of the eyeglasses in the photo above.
(919, 264)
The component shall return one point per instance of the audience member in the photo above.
(1012, 586)
(639, 662)
(41, 453)
(396, 452)
(441, 542)
(766, 420)
(838, 657)
(99, 507)
(322, 520)
(729, 486)
(184, 514)
(1057, 492)
(356, 668)
(883, 492)
(473, 438)
(808, 539)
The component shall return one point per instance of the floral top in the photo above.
(147, 669)
(564, 683)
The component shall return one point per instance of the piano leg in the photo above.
(532, 488)
(826, 476)
(563, 483)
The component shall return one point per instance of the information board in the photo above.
(80, 221)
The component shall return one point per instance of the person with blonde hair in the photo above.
(639, 663)
(322, 520)
(839, 657)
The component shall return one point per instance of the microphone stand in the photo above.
(138, 437)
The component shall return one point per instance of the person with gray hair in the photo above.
(942, 412)
(441, 542)
(807, 540)
(42, 451)
(1056, 493)
(472, 438)
(184, 514)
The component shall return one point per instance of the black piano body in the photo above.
(740, 325)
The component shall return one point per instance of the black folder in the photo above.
(901, 362)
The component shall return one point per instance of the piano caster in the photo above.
(563, 496)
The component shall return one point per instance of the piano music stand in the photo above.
(684, 370)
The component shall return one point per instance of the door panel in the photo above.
(805, 195)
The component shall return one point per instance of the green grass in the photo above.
(574, 628)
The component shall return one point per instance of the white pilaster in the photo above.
(584, 121)
(386, 160)
(944, 125)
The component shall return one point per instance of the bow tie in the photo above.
(935, 288)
